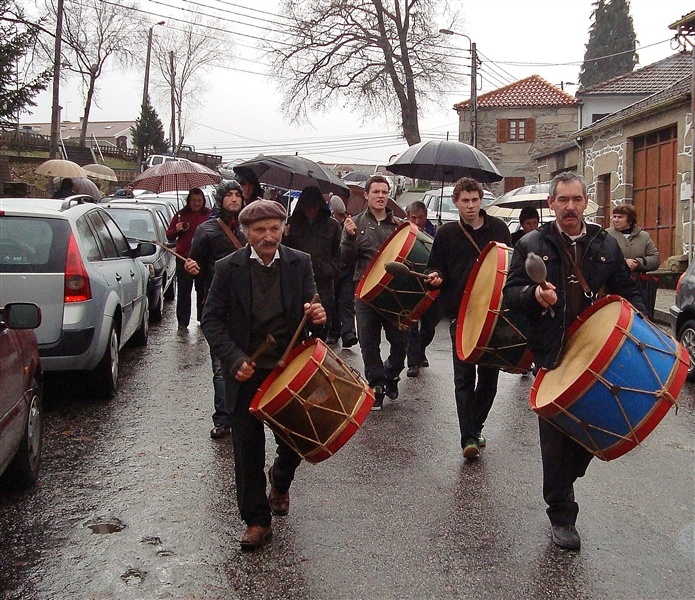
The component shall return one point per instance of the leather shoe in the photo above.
(220, 431)
(349, 341)
(279, 503)
(566, 536)
(471, 449)
(256, 536)
(424, 362)
(413, 371)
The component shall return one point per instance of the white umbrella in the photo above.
(100, 172)
(57, 167)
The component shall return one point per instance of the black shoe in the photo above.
(424, 363)
(413, 371)
(566, 536)
(471, 449)
(349, 341)
(378, 398)
(220, 431)
(391, 388)
(332, 340)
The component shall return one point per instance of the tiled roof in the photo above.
(647, 80)
(532, 91)
(678, 92)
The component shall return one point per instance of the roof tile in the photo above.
(532, 91)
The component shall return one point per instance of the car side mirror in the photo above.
(145, 249)
(21, 315)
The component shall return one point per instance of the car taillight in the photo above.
(77, 288)
(680, 281)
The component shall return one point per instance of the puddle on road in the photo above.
(105, 525)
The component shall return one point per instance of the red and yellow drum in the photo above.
(618, 378)
(316, 403)
(401, 299)
(487, 333)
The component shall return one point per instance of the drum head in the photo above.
(584, 346)
(483, 296)
(395, 248)
(286, 375)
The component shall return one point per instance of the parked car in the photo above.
(227, 170)
(70, 256)
(21, 389)
(167, 206)
(142, 223)
(682, 315)
(449, 212)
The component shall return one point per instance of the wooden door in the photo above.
(654, 187)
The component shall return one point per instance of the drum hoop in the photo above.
(496, 301)
(387, 277)
(299, 380)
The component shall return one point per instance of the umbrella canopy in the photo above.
(444, 160)
(57, 167)
(82, 185)
(509, 205)
(356, 177)
(293, 172)
(175, 175)
(100, 172)
(357, 202)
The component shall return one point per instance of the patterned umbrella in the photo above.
(445, 160)
(175, 175)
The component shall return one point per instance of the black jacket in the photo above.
(210, 244)
(603, 267)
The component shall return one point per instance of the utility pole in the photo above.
(55, 108)
(146, 86)
(173, 102)
(474, 96)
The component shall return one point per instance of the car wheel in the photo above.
(141, 336)
(170, 294)
(156, 310)
(23, 471)
(686, 336)
(106, 372)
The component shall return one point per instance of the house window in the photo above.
(516, 130)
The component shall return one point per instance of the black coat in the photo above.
(603, 267)
(226, 321)
(210, 244)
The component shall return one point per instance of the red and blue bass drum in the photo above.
(618, 378)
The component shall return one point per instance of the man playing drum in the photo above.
(362, 238)
(455, 250)
(262, 289)
(582, 261)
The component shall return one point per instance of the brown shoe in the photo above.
(279, 503)
(220, 431)
(256, 536)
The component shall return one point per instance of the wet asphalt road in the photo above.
(397, 513)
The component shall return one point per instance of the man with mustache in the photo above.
(568, 246)
(214, 239)
(264, 288)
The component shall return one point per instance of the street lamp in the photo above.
(147, 63)
(474, 86)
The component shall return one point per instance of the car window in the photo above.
(157, 160)
(134, 223)
(108, 246)
(33, 245)
(88, 240)
(117, 235)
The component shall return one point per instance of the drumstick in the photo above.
(397, 269)
(169, 250)
(293, 341)
(536, 270)
(266, 345)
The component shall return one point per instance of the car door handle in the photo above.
(118, 278)
(132, 274)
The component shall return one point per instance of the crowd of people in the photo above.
(257, 271)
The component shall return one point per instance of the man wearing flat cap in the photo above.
(264, 288)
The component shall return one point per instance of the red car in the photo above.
(20, 396)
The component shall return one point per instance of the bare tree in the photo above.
(94, 32)
(194, 50)
(377, 54)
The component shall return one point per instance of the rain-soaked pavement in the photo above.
(135, 501)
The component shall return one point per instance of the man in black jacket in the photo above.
(211, 242)
(454, 252)
(602, 265)
(262, 289)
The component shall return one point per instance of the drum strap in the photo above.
(469, 236)
(578, 274)
(235, 241)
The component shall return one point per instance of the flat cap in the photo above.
(262, 209)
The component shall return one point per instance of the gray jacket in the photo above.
(638, 245)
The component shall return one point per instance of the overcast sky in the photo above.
(241, 107)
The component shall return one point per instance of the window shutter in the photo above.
(530, 133)
(502, 130)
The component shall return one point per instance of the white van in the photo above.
(158, 159)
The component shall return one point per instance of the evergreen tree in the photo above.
(611, 35)
(148, 133)
(17, 39)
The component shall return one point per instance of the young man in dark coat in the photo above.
(211, 242)
(454, 252)
(262, 289)
(603, 267)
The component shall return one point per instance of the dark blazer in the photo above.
(226, 321)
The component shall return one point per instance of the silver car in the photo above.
(70, 257)
(441, 208)
(682, 315)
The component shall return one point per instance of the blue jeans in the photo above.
(221, 417)
(343, 320)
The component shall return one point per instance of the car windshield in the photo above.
(33, 245)
(135, 224)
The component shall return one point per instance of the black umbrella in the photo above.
(445, 160)
(293, 172)
(356, 177)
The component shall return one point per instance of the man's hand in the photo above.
(315, 312)
(547, 297)
(245, 371)
(434, 279)
(191, 267)
(350, 227)
(632, 264)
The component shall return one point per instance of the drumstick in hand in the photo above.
(397, 269)
(536, 270)
(293, 341)
(266, 345)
